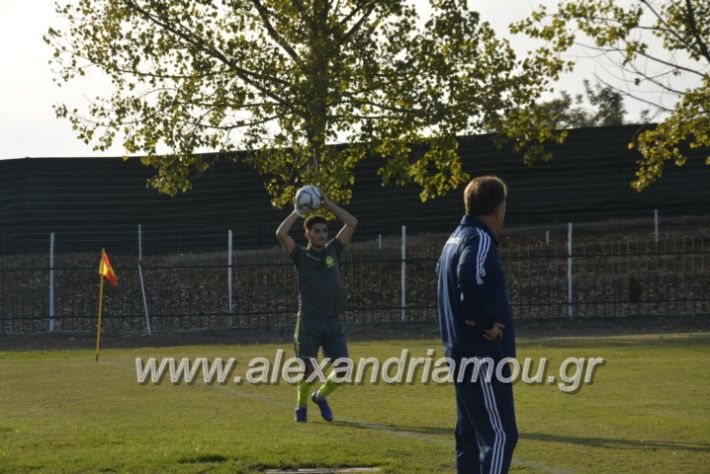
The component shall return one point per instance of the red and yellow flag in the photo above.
(106, 270)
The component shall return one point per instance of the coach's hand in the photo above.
(495, 333)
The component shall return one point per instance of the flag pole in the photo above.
(101, 301)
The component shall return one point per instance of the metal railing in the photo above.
(174, 278)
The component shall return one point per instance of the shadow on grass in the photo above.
(617, 342)
(218, 458)
(203, 458)
(421, 430)
(544, 437)
(616, 443)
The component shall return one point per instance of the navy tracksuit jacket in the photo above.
(472, 296)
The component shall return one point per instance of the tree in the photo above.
(609, 105)
(653, 43)
(287, 79)
(607, 108)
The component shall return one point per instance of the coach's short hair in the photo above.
(483, 195)
(313, 220)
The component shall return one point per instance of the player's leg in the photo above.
(486, 405)
(503, 403)
(306, 347)
(467, 453)
(335, 347)
(489, 409)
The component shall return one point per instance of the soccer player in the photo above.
(476, 324)
(320, 300)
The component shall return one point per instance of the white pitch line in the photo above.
(366, 424)
(386, 429)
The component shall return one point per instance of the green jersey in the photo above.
(319, 289)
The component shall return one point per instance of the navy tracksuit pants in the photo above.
(486, 432)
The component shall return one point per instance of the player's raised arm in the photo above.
(347, 231)
(282, 232)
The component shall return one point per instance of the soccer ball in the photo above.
(308, 198)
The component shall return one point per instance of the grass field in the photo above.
(648, 410)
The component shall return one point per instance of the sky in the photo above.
(28, 127)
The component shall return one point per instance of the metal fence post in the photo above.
(403, 302)
(655, 223)
(569, 270)
(140, 276)
(547, 238)
(229, 277)
(51, 282)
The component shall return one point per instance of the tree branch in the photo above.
(246, 124)
(628, 94)
(360, 103)
(645, 55)
(653, 80)
(264, 15)
(358, 24)
(663, 21)
(693, 26)
(244, 74)
(136, 72)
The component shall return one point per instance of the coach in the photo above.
(476, 322)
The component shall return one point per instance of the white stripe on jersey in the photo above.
(484, 244)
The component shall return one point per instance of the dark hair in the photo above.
(483, 195)
(313, 220)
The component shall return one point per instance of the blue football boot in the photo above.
(324, 407)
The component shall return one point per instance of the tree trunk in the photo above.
(316, 107)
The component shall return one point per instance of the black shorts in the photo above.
(312, 334)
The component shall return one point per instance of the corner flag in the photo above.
(106, 270)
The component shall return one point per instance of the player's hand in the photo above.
(495, 333)
(323, 199)
(295, 206)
